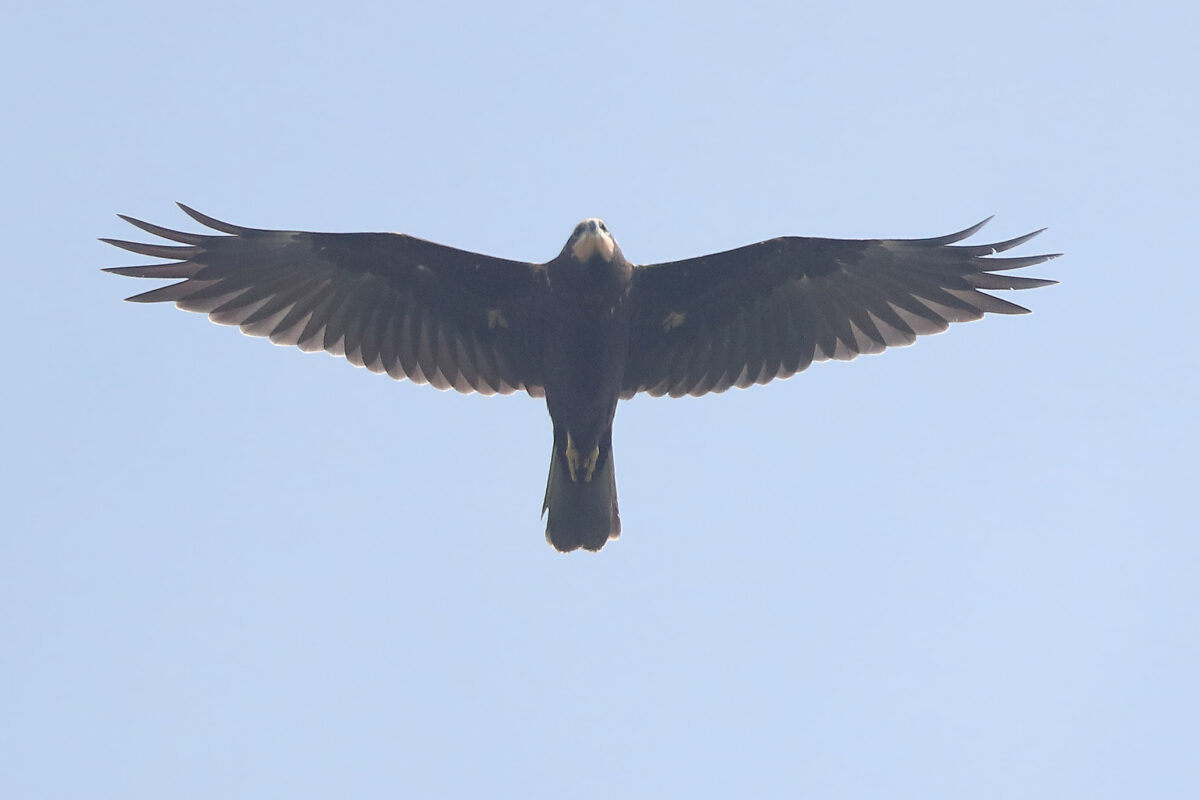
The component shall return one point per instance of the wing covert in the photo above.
(390, 302)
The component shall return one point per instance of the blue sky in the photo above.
(961, 569)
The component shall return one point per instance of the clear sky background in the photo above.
(962, 569)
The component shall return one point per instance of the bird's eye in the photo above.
(603, 227)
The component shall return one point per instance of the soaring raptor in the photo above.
(584, 329)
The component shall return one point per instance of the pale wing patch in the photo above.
(495, 319)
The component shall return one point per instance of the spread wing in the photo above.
(385, 301)
(770, 309)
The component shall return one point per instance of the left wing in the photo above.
(770, 309)
(386, 301)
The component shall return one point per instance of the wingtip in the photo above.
(134, 221)
(165, 233)
(212, 222)
(951, 238)
(978, 226)
(193, 213)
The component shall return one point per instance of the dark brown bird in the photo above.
(585, 329)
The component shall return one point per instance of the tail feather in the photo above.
(581, 513)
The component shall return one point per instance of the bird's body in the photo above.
(585, 329)
(586, 343)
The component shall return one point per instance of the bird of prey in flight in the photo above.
(585, 329)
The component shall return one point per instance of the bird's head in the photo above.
(591, 239)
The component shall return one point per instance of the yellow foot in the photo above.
(574, 462)
(572, 458)
(590, 464)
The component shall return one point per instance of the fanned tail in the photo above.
(581, 512)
